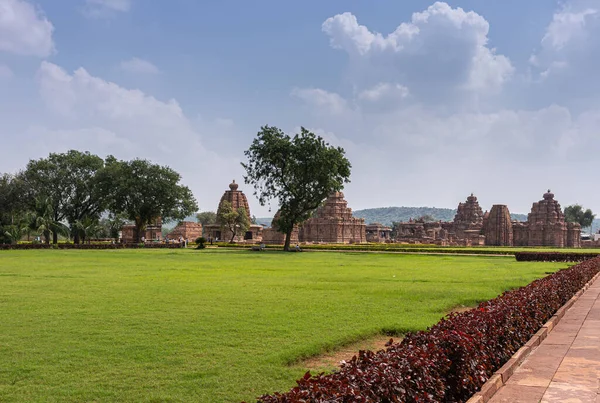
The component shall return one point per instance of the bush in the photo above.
(92, 246)
(554, 256)
(201, 242)
(451, 360)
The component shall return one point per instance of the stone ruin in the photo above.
(152, 233)
(545, 226)
(272, 236)
(333, 223)
(186, 230)
(378, 233)
(238, 199)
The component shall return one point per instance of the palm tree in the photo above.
(14, 233)
(42, 221)
(85, 228)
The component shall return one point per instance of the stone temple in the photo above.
(238, 199)
(546, 226)
(333, 223)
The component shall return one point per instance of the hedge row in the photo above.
(91, 246)
(452, 360)
(385, 248)
(554, 256)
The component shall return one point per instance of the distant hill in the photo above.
(387, 215)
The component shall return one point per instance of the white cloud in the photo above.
(105, 8)
(139, 66)
(24, 30)
(5, 72)
(441, 50)
(325, 101)
(567, 26)
(383, 91)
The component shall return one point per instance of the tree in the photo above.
(13, 206)
(575, 213)
(300, 172)
(144, 192)
(86, 228)
(235, 220)
(42, 220)
(426, 218)
(70, 183)
(206, 217)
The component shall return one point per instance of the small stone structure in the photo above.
(334, 223)
(498, 228)
(378, 233)
(153, 232)
(238, 199)
(272, 236)
(186, 230)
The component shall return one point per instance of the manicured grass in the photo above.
(213, 325)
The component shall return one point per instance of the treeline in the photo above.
(78, 195)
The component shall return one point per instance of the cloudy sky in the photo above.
(431, 101)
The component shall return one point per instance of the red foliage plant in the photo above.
(553, 256)
(450, 361)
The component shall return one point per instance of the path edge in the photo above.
(501, 376)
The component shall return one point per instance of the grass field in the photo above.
(213, 326)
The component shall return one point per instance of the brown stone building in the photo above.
(334, 223)
(238, 199)
(153, 232)
(378, 233)
(186, 230)
(498, 227)
(546, 226)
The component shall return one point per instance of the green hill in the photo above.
(387, 215)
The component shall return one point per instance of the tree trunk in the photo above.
(288, 238)
(232, 236)
(54, 237)
(76, 238)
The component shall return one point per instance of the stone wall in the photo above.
(186, 230)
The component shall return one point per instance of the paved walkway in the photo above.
(565, 367)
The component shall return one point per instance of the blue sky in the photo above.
(431, 100)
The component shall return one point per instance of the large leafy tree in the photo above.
(299, 171)
(206, 217)
(70, 183)
(143, 192)
(576, 213)
(235, 220)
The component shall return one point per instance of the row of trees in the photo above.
(78, 195)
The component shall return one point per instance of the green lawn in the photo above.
(212, 326)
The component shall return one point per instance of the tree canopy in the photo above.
(576, 213)
(299, 172)
(206, 217)
(143, 192)
(235, 220)
(69, 182)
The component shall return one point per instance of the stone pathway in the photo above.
(565, 367)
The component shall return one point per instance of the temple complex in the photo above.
(186, 230)
(153, 232)
(333, 223)
(272, 236)
(378, 233)
(238, 199)
(466, 229)
(545, 226)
